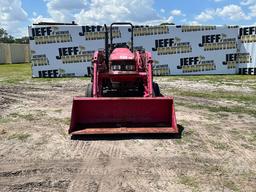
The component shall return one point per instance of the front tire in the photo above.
(88, 91)
(156, 90)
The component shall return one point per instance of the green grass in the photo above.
(188, 136)
(219, 145)
(14, 73)
(252, 138)
(212, 78)
(217, 109)
(66, 120)
(189, 181)
(56, 80)
(19, 136)
(5, 120)
(230, 185)
(36, 115)
(28, 117)
(247, 98)
(58, 110)
(228, 80)
(63, 132)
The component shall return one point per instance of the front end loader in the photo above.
(122, 97)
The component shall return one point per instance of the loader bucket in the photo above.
(122, 115)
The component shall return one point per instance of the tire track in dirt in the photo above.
(109, 174)
(116, 152)
(27, 93)
(124, 166)
(96, 157)
(37, 176)
(140, 182)
(87, 177)
(93, 149)
(5, 149)
(19, 98)
(94, 174)
(84, 150)
(250, 157)
(205, 140)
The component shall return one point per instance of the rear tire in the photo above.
(88, 91)
(156, 90)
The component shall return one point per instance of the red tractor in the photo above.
(122, 97)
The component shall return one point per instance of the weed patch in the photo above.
(188, 181)
(19, 136)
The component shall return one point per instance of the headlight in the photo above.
(116, 67)
(129, 67)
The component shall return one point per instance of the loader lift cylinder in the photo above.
(106, 44)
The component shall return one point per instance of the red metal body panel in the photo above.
(121, 54)
(124, 130)
(123, 115)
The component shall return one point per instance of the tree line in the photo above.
(6, 38)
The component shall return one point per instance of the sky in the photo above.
(17, 15)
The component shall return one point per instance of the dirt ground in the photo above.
(217, 151)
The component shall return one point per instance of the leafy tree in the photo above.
(6, 38)
(22, 40)
(167, 24)
(3, 33)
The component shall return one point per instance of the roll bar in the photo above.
(111, 35)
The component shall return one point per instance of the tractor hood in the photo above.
(121, 54)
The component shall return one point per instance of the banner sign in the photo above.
(66, 50)
(246, 58)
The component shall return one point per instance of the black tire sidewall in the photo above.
(156, 90)
(88, 91)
